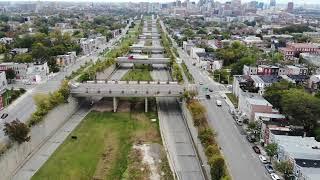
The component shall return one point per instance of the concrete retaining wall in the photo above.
(16, 156)
(194, 134)
(106, 73)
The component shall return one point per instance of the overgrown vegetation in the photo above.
(104, 148)
(175, 68)
(46, 102)
(187, 73)
(141, 73)
(206, 135)
(233, 99)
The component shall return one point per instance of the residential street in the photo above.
(242, 162)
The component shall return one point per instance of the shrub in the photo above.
(206, 137)
(212, 150)
(17, 131)
(217, 167)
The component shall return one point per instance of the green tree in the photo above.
(10, 75)
(271, 150)
(39, 52)
(3, 48)
(23, 58)
(188, 33)
(217, 167)
(277, 57)
(274, 93)
(17, 131)
(317, 133)
(302, 108)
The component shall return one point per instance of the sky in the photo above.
(278, 1)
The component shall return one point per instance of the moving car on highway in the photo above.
(219, 103)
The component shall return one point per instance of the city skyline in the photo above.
(167, 1)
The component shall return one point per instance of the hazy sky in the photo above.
(278, 1)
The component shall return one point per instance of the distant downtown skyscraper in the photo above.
(272, 3)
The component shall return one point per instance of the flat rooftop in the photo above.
(299, 147)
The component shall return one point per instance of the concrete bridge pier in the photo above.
(115, 104)
(146, 104)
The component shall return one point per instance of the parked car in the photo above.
(210, 90)
(201, 83)
(208, 96)
(263, 159)
(269, 168)
(256, 149)
(251, 138)
(239, 122)
(4, 115)
(274, 176)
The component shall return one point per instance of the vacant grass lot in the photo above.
(138, 74)
(103, 143)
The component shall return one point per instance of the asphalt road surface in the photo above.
(241, 160)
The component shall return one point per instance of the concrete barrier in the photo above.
(194, 134)
(17, 155)
(106, 73)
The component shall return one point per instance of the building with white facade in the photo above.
(27, 72)
(195, 50)
(3, 88)
(66, 59)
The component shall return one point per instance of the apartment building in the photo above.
(27, 72)
(66, 59)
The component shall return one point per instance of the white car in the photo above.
(274, 176)
(219, 103)
(263, 159)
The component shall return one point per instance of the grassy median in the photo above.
(139, 73)
(103, 147)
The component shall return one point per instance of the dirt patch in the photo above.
(148, 134)
(107, 156)
(104, 105)
(123, 106)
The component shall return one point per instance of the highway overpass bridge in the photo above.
(150, 34)
(137, 47)
(121, 60)
(128, 89)
(148, 37)
(117, 89)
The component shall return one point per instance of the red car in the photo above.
(256, 149)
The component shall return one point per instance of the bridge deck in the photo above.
(128, 89)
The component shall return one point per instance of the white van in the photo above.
(219, 103)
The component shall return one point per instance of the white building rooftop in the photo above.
(299, 147)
